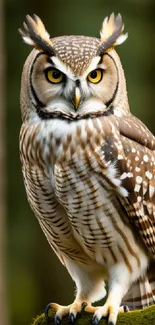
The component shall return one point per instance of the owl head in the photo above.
(73, 77)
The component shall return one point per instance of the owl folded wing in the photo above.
(133, 157)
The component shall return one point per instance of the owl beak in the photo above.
(77, 97)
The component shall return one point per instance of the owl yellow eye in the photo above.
(54, 76)
(95, 76)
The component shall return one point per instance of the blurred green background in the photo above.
(35, 277)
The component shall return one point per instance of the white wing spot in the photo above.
(120, 157)
(137, 188)
(139, 179)
(148, 174)
(123, 176)
(145, 158)
(128, 163)
(130, 175)
(145, 183)
(151, 190)
(120, 147)
(133, 150)
(126, 175)
(144, 187)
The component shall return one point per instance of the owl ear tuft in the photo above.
(35, 34)
(111, 33)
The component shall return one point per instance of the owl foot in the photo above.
(61, 311)
(105, 311)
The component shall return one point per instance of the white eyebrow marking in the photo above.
(102, 66)
(68, 71)
(63, 68)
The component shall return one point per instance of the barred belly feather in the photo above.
(93, 227)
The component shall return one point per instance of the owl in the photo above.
(89, 168)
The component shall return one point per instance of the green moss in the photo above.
(137, 317)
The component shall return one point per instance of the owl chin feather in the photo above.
(92, 106)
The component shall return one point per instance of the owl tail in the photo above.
(142, 292)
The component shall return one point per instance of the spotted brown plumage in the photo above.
(89, 168)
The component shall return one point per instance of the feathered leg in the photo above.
(90, 287)
(142, 292)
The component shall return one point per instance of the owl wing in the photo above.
(133, 156)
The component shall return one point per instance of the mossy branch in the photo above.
(137, 317)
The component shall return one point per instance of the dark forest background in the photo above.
(34, 276)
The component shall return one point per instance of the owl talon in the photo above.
(57, 320)
(46, 311)
(126, 308)
(95, 320)
(84, 305)
(72, 318)
(123, 309)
